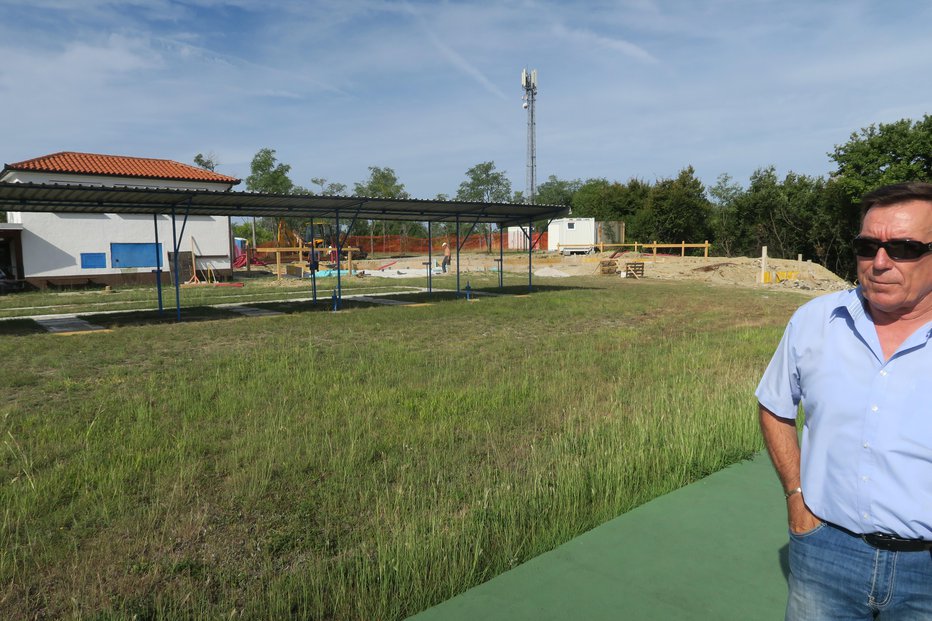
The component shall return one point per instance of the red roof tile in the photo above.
(119, 166)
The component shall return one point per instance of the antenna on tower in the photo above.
(529, 83)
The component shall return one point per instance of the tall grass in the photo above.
(359, 465)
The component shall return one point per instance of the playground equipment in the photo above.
(323, 236)
(294, 254)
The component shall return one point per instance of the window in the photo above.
(93, 260)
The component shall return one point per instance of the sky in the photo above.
(627, 89)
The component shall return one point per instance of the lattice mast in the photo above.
(529, 83)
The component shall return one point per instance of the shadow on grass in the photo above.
(146, 318)
(20, 327)
(322, 304)
(15, 327)
(445, 295)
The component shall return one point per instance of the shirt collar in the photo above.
(853, 304)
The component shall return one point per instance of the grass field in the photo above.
(364, 464)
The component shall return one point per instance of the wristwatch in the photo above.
(798, 490)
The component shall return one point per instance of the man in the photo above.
(859, 492)
(446, 257)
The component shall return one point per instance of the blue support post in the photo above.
(501, 256)
(430, 259)
(530, 248)
(177, 284)
(457, 255)
(339, 248)
(158, 262)
(315, 261)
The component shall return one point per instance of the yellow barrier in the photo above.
(776, 277)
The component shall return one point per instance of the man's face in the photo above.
(898, 287)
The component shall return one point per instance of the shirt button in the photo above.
(864, 478)
(874, 408)
(865, 516)
(883, 373)
(867, 445)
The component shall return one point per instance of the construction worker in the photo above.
(446, 257)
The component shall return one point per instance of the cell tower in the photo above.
(529, 82)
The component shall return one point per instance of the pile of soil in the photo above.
(744, 271)
(731, 271)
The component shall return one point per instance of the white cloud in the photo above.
(587, 38)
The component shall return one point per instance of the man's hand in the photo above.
(800, 518)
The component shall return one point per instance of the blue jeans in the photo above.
(835, 575)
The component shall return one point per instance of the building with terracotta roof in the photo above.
(56, 248)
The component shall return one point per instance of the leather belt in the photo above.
(893, 543)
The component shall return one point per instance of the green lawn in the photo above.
(364, 464)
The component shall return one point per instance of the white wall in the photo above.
(582, 233)
(517, 238)
(53, 242)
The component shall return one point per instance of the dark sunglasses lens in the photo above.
(905, 249)
(898, 249)
(866, 248)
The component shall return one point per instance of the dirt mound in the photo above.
(730, 271)
(744, 271)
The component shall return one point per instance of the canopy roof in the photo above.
(38, 197)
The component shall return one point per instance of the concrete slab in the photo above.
(250, 311)
(67, 324)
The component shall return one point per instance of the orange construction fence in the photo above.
(399, 244)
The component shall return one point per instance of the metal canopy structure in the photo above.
(38, 197)
(69, 198)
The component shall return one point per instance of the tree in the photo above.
(382, 183)
(677, 210)
(244, 229)
(724, 220)
(329, 189)
(266, 175)
(484, 184)
(207, 162)
(557, 191)
(606, 201)
(755, 221)
(832, 227)
(883, 154)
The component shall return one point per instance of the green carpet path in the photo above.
(715, 549)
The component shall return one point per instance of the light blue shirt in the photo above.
(867, 438)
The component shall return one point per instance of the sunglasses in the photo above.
(897, 249)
